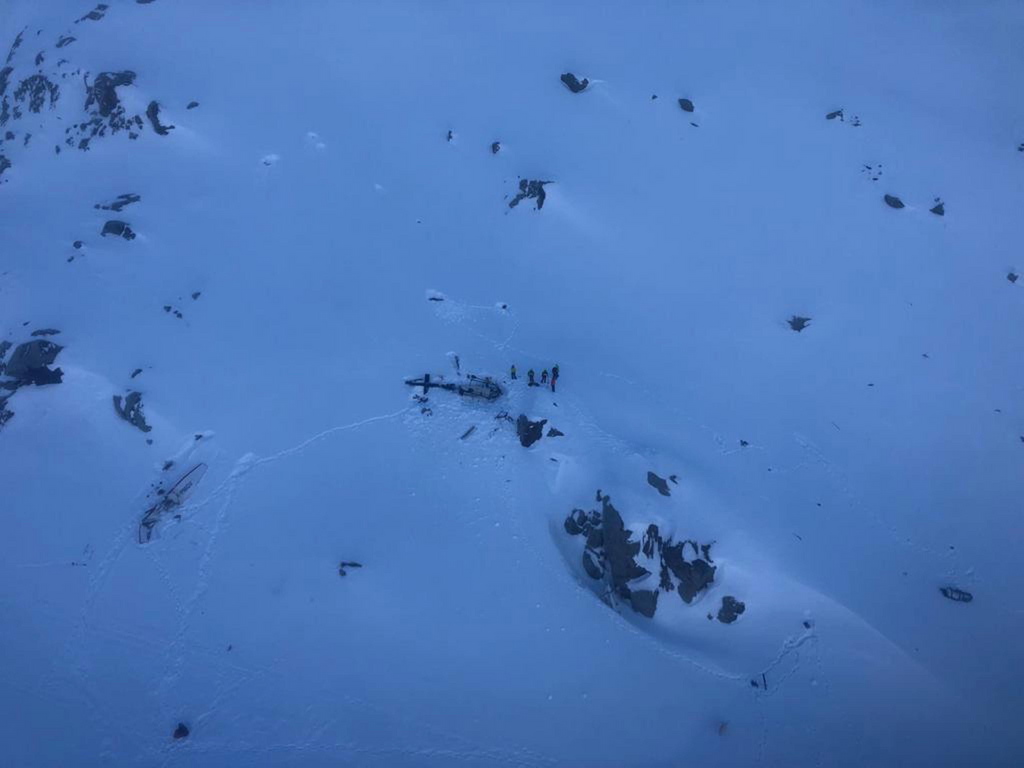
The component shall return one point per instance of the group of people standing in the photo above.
(544, 378)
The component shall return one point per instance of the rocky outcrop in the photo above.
(659, 484)
(153, 113)
(530, 190)
(614, 558)
(130, 409)
(30, 363)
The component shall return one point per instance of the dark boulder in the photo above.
(939, 209)
(833, 115)
(659, 484)
(102, 92)
(495, 147)
(694, 577)
(573, 83)
(554, 432)
(181, 732)
(94, 15)
(956, 595)
(1013, 277)
(730, 610)
(644, 602)
(118, 229)
(131, 410)
(43, 375)
(893, 202)
(798, 323)
(592, 565)
(192, 105)
(619, 549)
(686, 105)
(529, 432)
(31, 359)
(153, 113)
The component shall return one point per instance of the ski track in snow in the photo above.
(175, 655)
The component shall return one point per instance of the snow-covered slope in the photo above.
(324, 211)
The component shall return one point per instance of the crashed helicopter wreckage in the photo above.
(471, 385)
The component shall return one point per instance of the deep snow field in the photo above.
(246, 225)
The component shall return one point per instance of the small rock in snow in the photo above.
(118, 229)
(119, 203)
(686, 105)
(1012, 277)
(893, 202)
(939, 209)
(957, 595)
(181, 732)
(833, 115)
(573, 84)
(270, 159)
(730, 610)
(192, 105)
(658, 483)
(495, 147)
(798, 323)
(435, 295)
(555, 432)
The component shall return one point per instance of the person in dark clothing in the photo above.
(514, 372)
(554, 377)
(544, 376)
(529, 375)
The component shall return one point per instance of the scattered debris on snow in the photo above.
(529, 432)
